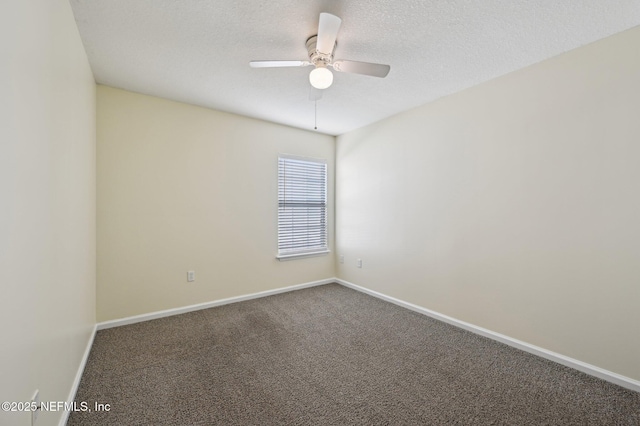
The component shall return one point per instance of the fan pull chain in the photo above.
(315, 112)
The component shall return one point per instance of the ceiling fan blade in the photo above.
(366, 68)
(277, 64)
(315, 94)
(327, 32)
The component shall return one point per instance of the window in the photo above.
(302, 206)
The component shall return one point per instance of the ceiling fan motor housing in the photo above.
(318, 58)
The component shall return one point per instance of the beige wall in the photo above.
(514, 205)
(47, 203)
(186, 188)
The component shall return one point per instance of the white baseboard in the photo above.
(206, 305)
(76, 380)
(592, 370)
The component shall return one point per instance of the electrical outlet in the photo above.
(342, 258)
(191, 276)
(35, 403)
(359, 263)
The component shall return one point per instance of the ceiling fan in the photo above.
(321, 48)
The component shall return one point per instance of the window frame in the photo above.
(290, 254)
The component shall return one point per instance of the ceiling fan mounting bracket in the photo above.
(318, 58)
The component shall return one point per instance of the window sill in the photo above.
(283, 257)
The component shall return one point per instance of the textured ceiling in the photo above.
(198, 51)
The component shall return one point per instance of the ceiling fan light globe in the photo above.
(320, 78)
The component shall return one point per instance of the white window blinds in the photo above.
(302, 206)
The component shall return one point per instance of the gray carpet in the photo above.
(329, 355)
